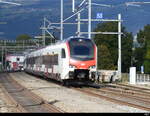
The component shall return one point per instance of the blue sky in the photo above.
(28, 17)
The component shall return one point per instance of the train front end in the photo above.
(83, 59)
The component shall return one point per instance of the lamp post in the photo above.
(136, 3)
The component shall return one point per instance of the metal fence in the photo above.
(140, 78)
(143, 78)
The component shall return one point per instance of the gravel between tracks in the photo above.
(67, 99)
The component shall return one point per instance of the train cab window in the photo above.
(81, 49)
(63, 54)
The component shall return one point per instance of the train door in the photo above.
(63, 63)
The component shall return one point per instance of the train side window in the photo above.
(18, 59)
(63, 54)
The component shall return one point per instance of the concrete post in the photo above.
(132, 75)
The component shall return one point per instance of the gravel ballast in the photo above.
(67, 99)
(5, 105)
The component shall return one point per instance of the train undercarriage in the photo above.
(81, 77)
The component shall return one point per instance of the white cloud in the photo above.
(23, 2)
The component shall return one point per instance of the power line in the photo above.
(136, 3)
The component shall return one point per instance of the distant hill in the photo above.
(27, 19)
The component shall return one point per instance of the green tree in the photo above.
(104, 55)
(111, 41)
(143, 51)
(24, 39)
(147, 57)
(138, 57)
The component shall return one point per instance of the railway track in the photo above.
(121, 94)
(136, 94)
(132, 100)
(126, 86)
(25, 100)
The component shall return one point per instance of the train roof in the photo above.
(73, 37)
(60, 42)
(15, 54)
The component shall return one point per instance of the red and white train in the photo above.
(72, 59)
(14, 62)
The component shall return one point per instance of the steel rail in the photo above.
(25, 99)
(12, 101)
(43, 103)
(130, 92)
(112, 99)
(143, 100)
(130, 87)
(115, 100)
(141, 88)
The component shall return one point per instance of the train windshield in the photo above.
(81, 49)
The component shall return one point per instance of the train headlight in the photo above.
(92, 67)
(71, 66)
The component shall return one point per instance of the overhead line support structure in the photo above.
(61, 21)
(119, 46)
(43, 32)
(119, 33)
(89, 18)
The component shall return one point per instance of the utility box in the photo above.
(132, 77)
